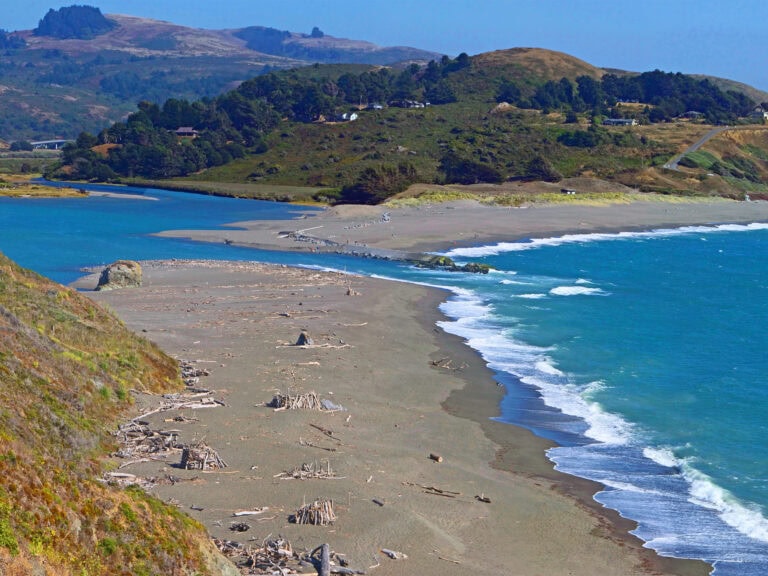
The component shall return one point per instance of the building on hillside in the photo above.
(186, 132)
(758, 113)
(347, 117)
(49, 144)
(619, 122)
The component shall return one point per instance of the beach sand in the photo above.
(408, 391)
(433, 227)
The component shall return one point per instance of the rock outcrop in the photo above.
(120, 274)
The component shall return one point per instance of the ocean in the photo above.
(642, 355)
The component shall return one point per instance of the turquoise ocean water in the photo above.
(641, 354)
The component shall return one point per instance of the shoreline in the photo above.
(368, 231)
(407, 232)
(472, 397)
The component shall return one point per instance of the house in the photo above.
(347, 117)
(186, 132)
(619, 122)
(759, 113)
(408, 104)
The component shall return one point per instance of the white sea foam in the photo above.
(531, 364)
(706, 493)
(575, 291)
(532, 296)
(546, 367)
(747, 520)
(492, 250)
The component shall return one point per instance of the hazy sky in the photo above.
(720, 38)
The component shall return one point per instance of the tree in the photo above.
(460, 169)
(440, 93)
(508, 92)
(374, 185)
(21, 145)
(539, 168)
(317, 33)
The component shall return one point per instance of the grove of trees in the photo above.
(668, 95)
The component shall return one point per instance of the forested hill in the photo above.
(366, 133)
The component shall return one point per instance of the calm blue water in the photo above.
(642, 355)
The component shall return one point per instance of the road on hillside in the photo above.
(672, 164)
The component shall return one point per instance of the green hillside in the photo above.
(365, 133)
(66, 369)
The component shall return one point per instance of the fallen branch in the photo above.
(394, 554)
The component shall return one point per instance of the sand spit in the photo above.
(414, 464)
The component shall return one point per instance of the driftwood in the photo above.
(436, 457)
(320, 513)
(137, 438)
(446, 364)
(201, 457)
(192, 401)
(307, 401)
(313, 445)
(123, 480)
(276, 556)
(250, 512)
(435, 491)
(394, 554)
(191, 374)
(309, 470)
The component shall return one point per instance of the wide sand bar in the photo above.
(408, 391)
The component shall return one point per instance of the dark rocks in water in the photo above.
(446, 263)
(120, 274)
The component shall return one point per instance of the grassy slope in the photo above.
(332, 155)
(66, 367)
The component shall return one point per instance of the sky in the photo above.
(718, 38)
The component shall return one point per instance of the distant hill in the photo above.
(75, 73)
(537, 63)
(364, 133)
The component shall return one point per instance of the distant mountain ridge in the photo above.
(145, 37)
(55, 87)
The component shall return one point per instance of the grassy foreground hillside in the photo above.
(66, 369)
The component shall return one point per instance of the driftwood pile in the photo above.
(306, 401)
(200, 456)
(138, 439)
(319, 513)
(276, 556)
(191, 374)
(309, 470)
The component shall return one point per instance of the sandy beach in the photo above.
(435, 227)
(492, 505)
